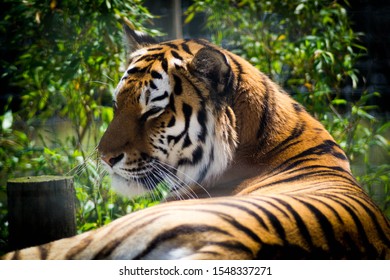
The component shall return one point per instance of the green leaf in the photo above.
(299, 8)
(339, 102)
(189, 18)
(7, 120)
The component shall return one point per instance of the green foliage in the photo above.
(310, 49)
(63, 60)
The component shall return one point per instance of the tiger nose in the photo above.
(111, 161)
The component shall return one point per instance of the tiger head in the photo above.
(172, 123)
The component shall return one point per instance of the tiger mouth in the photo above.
(150, 178)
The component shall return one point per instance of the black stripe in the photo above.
(332, 209)
(272, 204)
(187, 142)
(176, 55)
(336, 249)
(164, 65)
(161, 149)
(239, 70)
(248, 211)
(336, 187)
(320, 170)
(155, 75)
(155, 49)
(150, 57)
(233, 246)
(161, 97)
(233, 222)
(196, 157)
(172, 122)
(263, 132)
(152, 85)
(171, 45)
(149, 113)
(16, 255)
(325, 148)
(329, 146)
(177, 89)
(44, 251)
(285, 144)
(248, 231)
(333, 171)
(373, 217)
(176, 232)
(300, 176)
(202, 119)
(202, 174)
(78, 248)
(310, 167)
(273, 219)
(202, 42)
(187, 111)
(292, 167)
(301, 226)
(287, 252)
(287, 180)
(298, 107)
(369, 250)
(197, 90)
(172, 103)
(186, 48)
(135, 70)
(106, 250)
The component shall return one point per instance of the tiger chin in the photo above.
(201, 120)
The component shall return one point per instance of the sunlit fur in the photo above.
(204, 122)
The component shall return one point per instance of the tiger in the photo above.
(250, 173)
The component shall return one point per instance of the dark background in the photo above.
(372, 17)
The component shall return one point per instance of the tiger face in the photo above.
(172, 120)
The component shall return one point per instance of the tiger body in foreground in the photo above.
(194, 116)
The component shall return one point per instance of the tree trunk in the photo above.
(41, 209)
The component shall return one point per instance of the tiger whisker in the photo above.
(181, 190)
(168, 166)
(99, 82)
(152, 184)
(163, 176)
(188, 177)
(79, 168)
(105, 75)
(167, 177)
(176, 185)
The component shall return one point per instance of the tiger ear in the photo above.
(135, 40)
(213, 67)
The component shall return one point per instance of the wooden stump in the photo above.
(41, 209)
